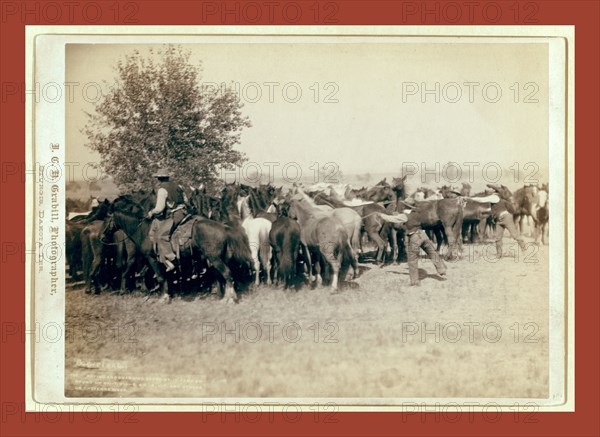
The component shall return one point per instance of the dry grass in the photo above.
(370, 351)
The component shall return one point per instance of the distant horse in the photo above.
(325, 237)
(524, 200)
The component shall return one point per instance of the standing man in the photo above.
(170, 210)
(502, 212)
(417, 239)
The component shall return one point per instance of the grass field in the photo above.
(482, 332)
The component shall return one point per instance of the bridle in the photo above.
(127, 237)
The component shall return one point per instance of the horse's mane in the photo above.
(126, 205)
(334, 203)
(99, 212)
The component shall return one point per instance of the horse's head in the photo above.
(398, 187)
(109, 227)
(99, 212)
(283, 208)
(504, 192)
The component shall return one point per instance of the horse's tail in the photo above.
(238, 250)
(287, 267)
(346, 253)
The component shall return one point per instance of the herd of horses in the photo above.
(241, 236)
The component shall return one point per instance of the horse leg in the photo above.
(229, 295)
(355, 248)
(307, 262)
(265, 259)
(275, 266)
(374, 235)
(94, 272)
(393, 239)
(439, 238)
(162, 284)
(452, 238)
(256, 262)
(335, 268)
(315, 258)
(87, 258)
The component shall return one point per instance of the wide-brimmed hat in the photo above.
(161, 173)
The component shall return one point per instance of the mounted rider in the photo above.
(170, 209)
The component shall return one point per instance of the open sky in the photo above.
(356, 108)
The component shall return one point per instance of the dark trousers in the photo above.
(414, 243)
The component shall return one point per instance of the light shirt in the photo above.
(161, 201)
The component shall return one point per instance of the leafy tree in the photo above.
(158, 115)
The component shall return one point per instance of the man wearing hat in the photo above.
(170, 209)
(417, 239)
(502, 212)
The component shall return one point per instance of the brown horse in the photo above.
(92, 249)
(476, 217)
(73, 247)
(524, 200)
(285, 240)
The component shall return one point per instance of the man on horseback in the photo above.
(417, 239)
(170, 209)
(502, 212)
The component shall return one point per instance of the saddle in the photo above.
(180, 237)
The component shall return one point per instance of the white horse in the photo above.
(257, 230)
(350, 219)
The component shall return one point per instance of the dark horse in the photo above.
(92, 250)
(524, 201)
(73, 247)
(215, 243)
(443, 214)
(285, 240)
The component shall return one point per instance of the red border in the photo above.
(584, 422)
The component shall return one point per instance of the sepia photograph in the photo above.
(351, 220)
